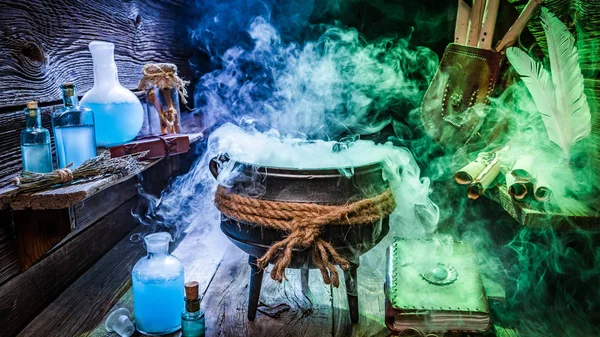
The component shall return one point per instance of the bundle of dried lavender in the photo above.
(92, 169)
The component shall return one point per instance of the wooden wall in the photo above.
(44, 43)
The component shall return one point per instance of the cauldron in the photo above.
(321, 186)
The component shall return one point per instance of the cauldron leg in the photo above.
(256, 276)
(352, 289)
(304, 278)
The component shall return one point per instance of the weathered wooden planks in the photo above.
(26, 294)
(226, 303)
(572, 214)
(8, 252)
(86, 300)
(70, 195)
(371, 298)
(44, 43)
(108, 283)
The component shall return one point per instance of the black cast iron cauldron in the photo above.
(322, 186)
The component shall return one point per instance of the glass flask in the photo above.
(158, 288)
(73, 128)
(36, 151)
(118, 113)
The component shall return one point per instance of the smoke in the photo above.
(273, 79)
(337, 84)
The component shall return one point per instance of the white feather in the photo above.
(571, 120)
(536, 78)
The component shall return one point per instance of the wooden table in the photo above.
(223, 273)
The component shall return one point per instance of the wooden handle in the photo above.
(475, 24)
(462, 22)
(515, 30)
(489, 24)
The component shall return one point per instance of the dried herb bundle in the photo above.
(94, 168)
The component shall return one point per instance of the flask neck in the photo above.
(192, 306)
(105, 75)
(33, 118)
(70, 97)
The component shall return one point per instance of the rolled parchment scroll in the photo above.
(484, 180)
(541, 189)
(469, 172)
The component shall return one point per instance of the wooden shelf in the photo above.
(67, 196)
(569, 213)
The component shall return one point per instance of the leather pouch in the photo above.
(466, 77)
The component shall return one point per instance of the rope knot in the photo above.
(163, 76)
(303, 222)
(65, 175)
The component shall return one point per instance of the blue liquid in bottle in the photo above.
(118, 113)
(116, 123)
(158, 288)
(74, 144)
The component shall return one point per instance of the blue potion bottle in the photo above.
(118, 113)
(36, 152)
(73, 128)
(192, 318)
(158, 288)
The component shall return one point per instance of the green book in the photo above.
(433, 285)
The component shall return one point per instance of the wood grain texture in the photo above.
(26, 294)
(44, 43)
(108, 284)
(70, 195)
(225, 303)
(8, 252)
(87, 300)
(38, 231)
(571, 215)
(371, 298)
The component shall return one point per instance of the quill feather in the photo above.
(570, 121)
(536, 78)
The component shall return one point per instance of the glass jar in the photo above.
(118, 113)
(158, 288)
(162, 106)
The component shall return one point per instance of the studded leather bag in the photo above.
(455, 107)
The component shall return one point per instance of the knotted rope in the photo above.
(163, 75)
(303, 222)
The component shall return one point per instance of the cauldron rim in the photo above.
(324, 171)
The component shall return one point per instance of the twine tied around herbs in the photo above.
(303, 222)
(94, 168)
(163, 75)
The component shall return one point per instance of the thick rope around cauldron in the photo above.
(303, 222)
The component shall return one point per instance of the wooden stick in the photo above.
(462, 22)
(475, 24)
(489, 24)
(510, 38)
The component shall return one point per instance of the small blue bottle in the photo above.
(192, 318)
(158, 282)
(36, 152)
(73, 128)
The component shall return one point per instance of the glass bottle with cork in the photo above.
(73, 128)
(192, 318)
(157, 282)
(36, 151)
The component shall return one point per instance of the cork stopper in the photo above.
(191, 290)
(32, 105)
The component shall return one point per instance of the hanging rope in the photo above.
(303, 222)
